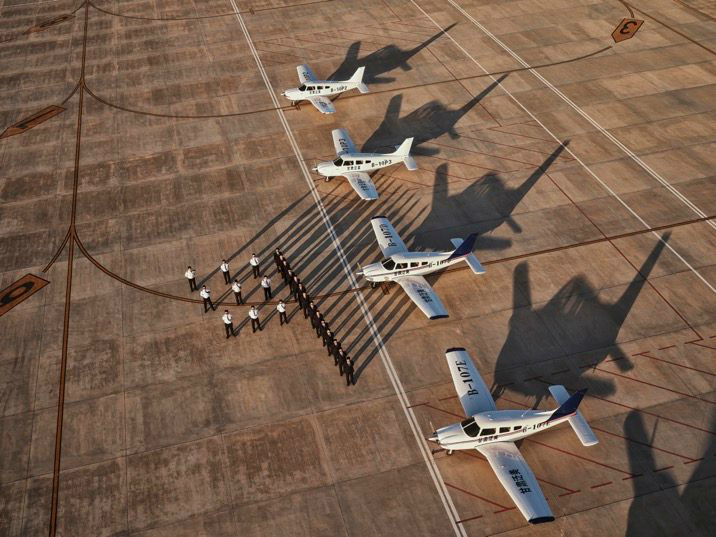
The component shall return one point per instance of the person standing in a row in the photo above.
(254, 262)
(190, 275)
(254, 316)
(236, 288)
(266, 284)
(303, 301)
(327, 339)
(205, 294)
(281, 308)
(341, 359)
(225, 271)
(336, 350)
(277, 258)
(348, 367)
(228, 324)
(309, 310)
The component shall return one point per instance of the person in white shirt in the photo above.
(190, 275)
(266, 284)
(225, 271)
(228, 324)
(236, 288)
(254, 262)
(205, 294)
(254, 316)
(281, 308)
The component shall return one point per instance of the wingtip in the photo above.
(378, 217)
(453, 349)
(541, 519)
(439, 317)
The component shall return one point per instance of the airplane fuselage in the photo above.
(317, 88)
(357, 162)
(408, 264)
(494, 426)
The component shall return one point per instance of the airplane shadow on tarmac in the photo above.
(487, 196)
(428, 122)
(379, 62)
(662, 508)
(586, 322)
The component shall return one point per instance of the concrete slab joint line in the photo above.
(430, 463)
(566, 148)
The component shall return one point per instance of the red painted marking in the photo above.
(504, 510)
(642, 411)
(560, 372)
(632, 477)
(601, 485)
(645, 355)
(445, 411)
(478, 496)
(416, 404)
(664, 348)
(468, 519)
(664, 468)
(578, 456)
(693, 461)
(696, 342)
(642, 443)
(569, 493)
(683, 394)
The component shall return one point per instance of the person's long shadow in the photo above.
(428, 122)
(583, 321)
(380, 62)
(688, 511)
(488, 198)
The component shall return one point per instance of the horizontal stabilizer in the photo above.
(410, 163)
(579, 424)
(471, 260)
(362, 88)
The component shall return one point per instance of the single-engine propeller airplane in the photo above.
(355, 166)
(317, 91)
(493, 433)
(408, 268)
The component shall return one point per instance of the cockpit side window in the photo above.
(348, 163)
(486, 432)
(302, 88)
(388, 264)
(401, 266)
(338, 162)
(471, 428)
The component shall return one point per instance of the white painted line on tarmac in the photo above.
(566, 148)
(375, 334)
(648, 169)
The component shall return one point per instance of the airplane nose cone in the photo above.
(434, 437)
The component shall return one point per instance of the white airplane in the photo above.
(317, 91)
(408, 268)
(355, 166)
(493, 433)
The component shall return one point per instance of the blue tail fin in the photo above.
(569, 406)
(465, 248)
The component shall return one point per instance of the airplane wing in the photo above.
(305, 74)
(323, 104)
(362, 184)
(472, 391)
(519, 481)
(388, 239)
(420, 292)
(342, 142)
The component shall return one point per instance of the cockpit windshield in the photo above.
(471, 428)
(338, 161)
(302, 88)
(388, 264)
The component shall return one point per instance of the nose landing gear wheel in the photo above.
(449, 452)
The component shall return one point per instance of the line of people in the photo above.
(318, 323)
